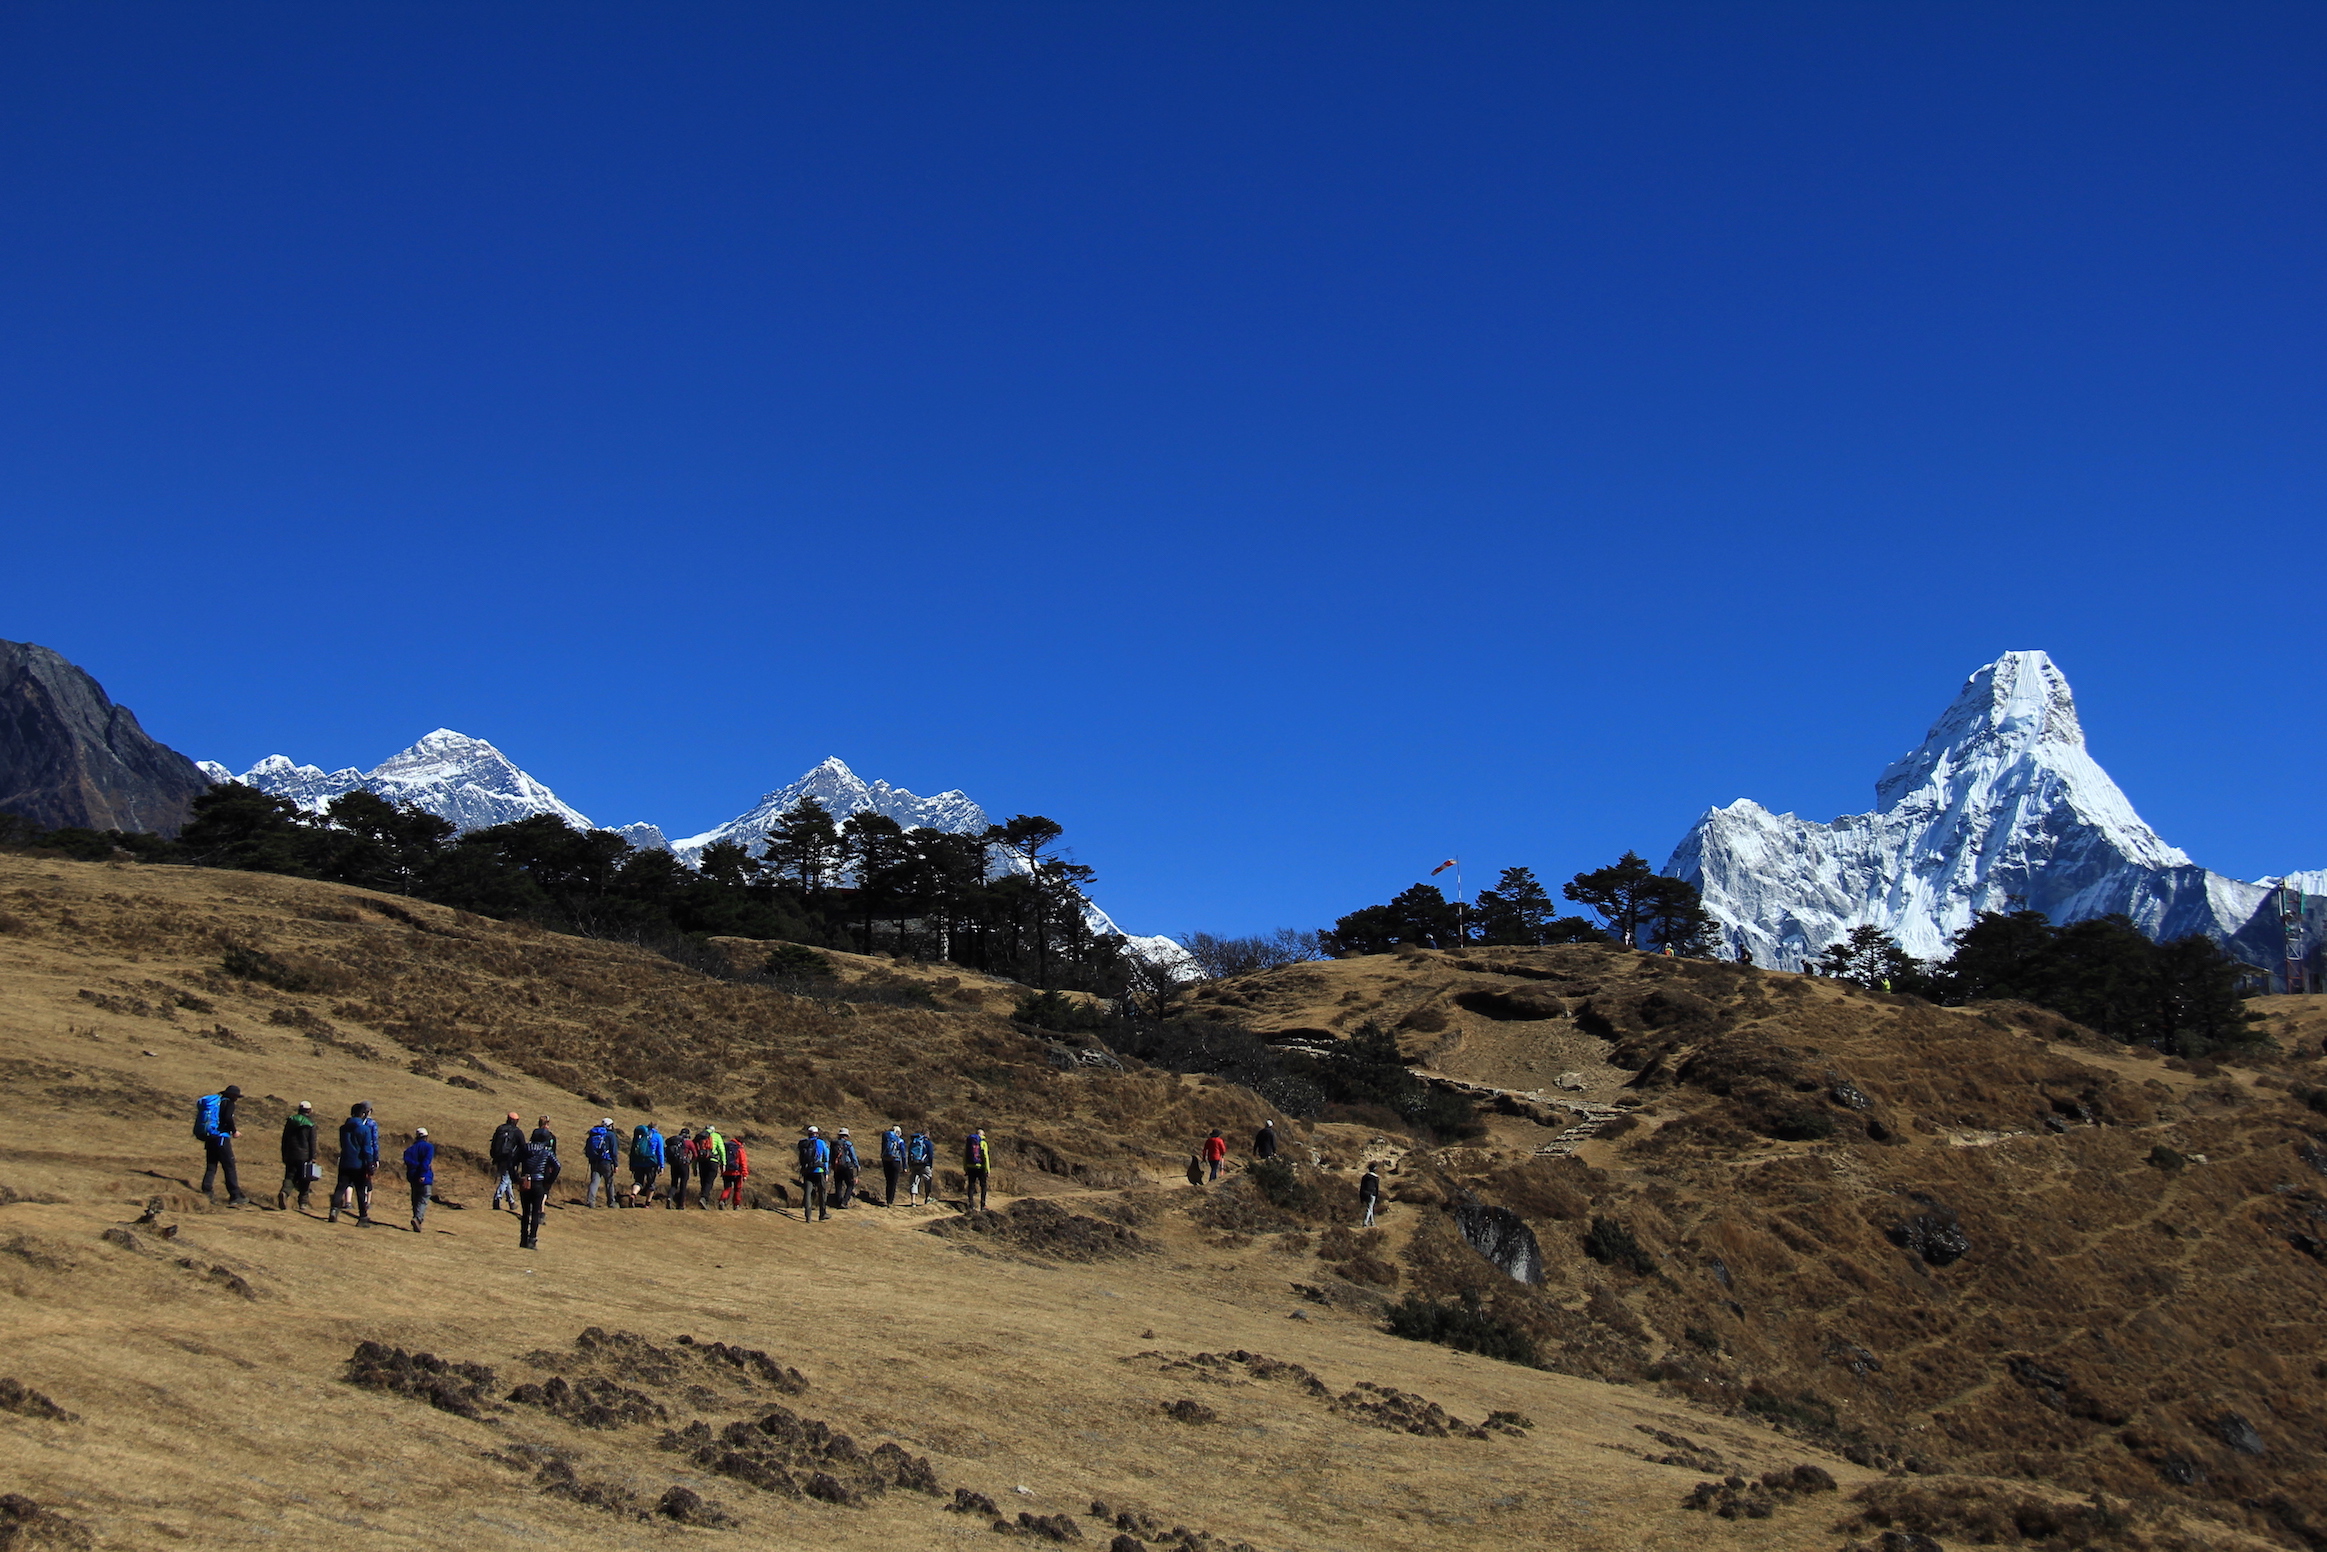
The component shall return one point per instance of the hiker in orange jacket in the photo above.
(1215, 1152)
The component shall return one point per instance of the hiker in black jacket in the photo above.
(1264, 1142)
(504, 1153)
(298, 1158)
(537, 1171)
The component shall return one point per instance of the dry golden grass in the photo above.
(202, 1351)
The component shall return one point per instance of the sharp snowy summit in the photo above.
(844, 793)
(2000, 808)
(452, 775)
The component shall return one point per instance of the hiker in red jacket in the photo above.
(1215, 1151)
(733, 1175)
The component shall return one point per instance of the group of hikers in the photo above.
(524, 1165)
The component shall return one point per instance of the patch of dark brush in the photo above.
(591, 1402)
(26, 1526)
(24, 1401)
(459, 1388)
(1736, 1498)
(801, 1457)
(1047, 1230)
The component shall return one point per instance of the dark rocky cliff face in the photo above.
(69, 756)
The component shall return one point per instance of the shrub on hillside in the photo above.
(1463, 1326)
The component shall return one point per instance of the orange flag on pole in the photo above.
(1442, 867)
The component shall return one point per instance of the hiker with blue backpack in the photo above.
(815, 1175)
(359, 1160)
(214, 1128)
(646, 1162)
(892, 1163)
(420, 1174)
(600, 1150)
(920, 1167)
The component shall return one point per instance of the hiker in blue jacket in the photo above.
(420, 1174)
(844, 1168)
(892, 1163)
(214, 1126)
(600, 1150)
(646, 1163)
(815, 1175)
(359, 1161)
(920, 1167)
(537, 1171)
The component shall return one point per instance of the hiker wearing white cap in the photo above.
(299, 1169)
(815, 1173)
(600, 1149)
(420, 1174)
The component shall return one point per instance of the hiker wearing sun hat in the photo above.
(507, 1147)
(420, 1174)
(298, 1158)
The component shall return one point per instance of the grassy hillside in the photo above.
(1209, 1362)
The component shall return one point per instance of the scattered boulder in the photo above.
(1504, 1238)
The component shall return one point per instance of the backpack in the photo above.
(641, 1153)
(918, 1152)
(206, 1117)
(598, 1147)
(540, 1165)
(976, 1155)
(737, 1163)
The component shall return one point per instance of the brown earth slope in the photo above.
(1200, 1360)
(1993, 1242)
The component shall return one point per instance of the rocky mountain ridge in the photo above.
(70, 757)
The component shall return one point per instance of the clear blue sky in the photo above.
(1287, 444)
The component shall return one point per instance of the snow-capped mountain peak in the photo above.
(2000, 807)
(843, 793)
(459, 778)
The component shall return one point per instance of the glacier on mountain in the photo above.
(2000, 808)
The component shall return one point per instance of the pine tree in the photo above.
(1516, 911)
(805, 844)
(1623, 893)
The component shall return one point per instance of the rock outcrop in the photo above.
(70, 756)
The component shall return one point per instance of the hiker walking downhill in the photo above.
(600, 1151)
(1215, 1152)
(298, 1158)
(420, 1174)
(977, 1169)
(733, 1174)
(815, 1174)
(920, 1167)
(844, 1169)
(679, 1152)
(503, 1153)
(1369, 1194)
(214, 1125)
(892, 1164)
(646, 1162)
(1264, 1141)
(537, 1171)
(359, 1161)
(710, 1164)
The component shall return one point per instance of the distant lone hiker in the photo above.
(537, 1171)
(504, 1152)
(1264, 1141)
(977, 1169)
(892, 1163)
(420, 1174)
(646, 1162)
(1215, 1152)
(1369, 1193)
(359, 1160)
(298, 1158)
(214, 1125)
(920, 1167)
(599, 1151)
(815, 1175)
